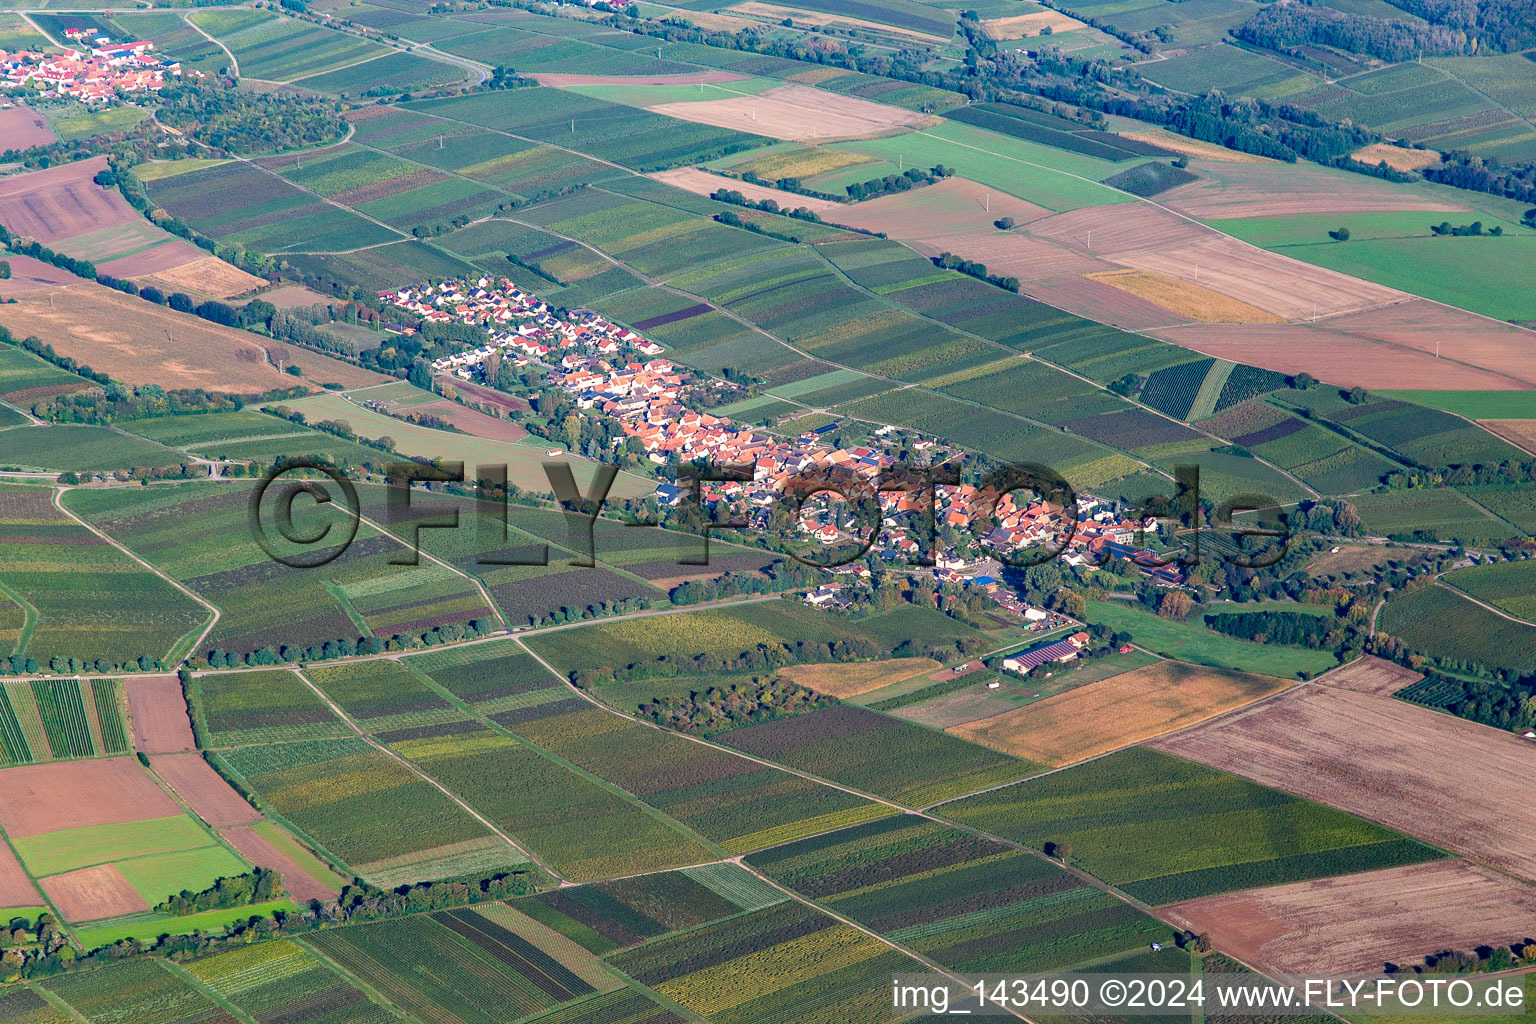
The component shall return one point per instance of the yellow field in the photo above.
(1184, 298)
(1022, 26)
(815, 76)
(850, 680)
(799, 162)
(207, 276)
(1118, 711)
(155, 170)
(1517, 432)
(1397, 158)
(1200, 150)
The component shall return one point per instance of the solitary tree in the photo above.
(1339, 234)
(1003, 223)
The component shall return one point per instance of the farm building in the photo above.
(1061, 650)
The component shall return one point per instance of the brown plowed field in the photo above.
(473, 421)
(1455, 334)
(1276, 189)
(796, 113)
(202, 789)
(850, 680)
(1144, 237)
(22, 128)
(91, 894)
(62, 202)
(1459, 785)
(953, 205)
(203, 275)
(702, 183)
(1371, 675)
(164, 257)
(1337, 356)
(263, 854)
(1118, 711)
(1022, 26)
(1521, 433)
(138, 342)
(705, 77)
(158, 712)
(75, 794)
(1360, 923)
(15, 888)
(28, 274)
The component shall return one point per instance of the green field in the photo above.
(1184, 642)
(1164, 829)
(1442, 624)
(1475, 405)
(277, 49)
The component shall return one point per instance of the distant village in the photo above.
(95, 74)
(612, 369)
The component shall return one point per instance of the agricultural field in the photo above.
(61, 719)
(877, 754)
(1117, 712)
(968, 903)
(730, 632)
(1509, 585)
(264, 605)
(368, 810)
(551, 808)
(1440, 622)
(737, 803)
(787, 962)
(85, 601)
(271, 48)
(1369, 741)
(1165, 830)
(1199, 646)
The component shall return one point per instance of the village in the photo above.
(615, 371)
(95, 74)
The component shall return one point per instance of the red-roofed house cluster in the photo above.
(599, 364)
(95, 74)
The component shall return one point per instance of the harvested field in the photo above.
(1454, 334)
(951, 206)
(158, 711)
(704, 77)
(1188, 300)
(1406, 767)
(28, 274)
(138, 342)
(163, 257)
(850, 680)
(1194, 148)
(1118, 711)
(795, 113)
(1340, 357)
(91, 894)
(288, 296)
(15, 887)
(322, 369)
(692, 179)
(207, 275)
(299, 883)
(473, 421)
(203, 789)
(819, 19)
(1360, 923)
(1022, 26)
(1144, 237)
(22, 128)
(477, 395)
(62, 202)
(1521, 433)
(1275, 189)
(76, 794)
(1396, 157)
(1371, 675)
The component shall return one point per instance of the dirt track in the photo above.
(1462, 786)
(1360, 923)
